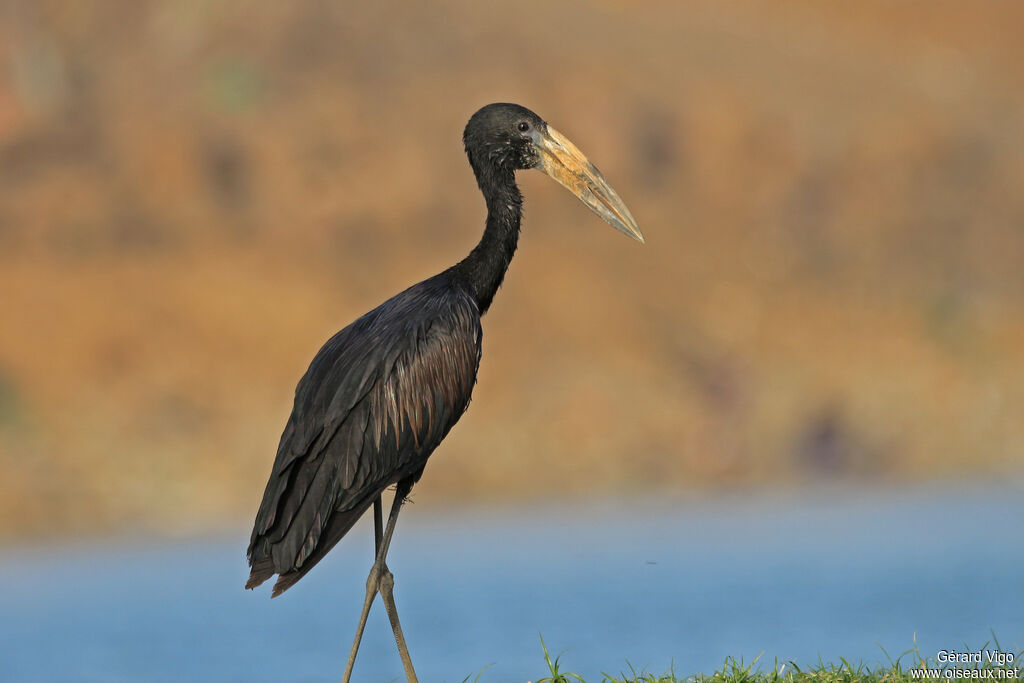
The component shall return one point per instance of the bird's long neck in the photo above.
(484, 268)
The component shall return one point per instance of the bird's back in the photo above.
(376, 400)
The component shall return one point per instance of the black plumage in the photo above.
(376, 401)
(381, 394)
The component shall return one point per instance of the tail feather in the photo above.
(285, 581)
(262, 569)
(340, 523)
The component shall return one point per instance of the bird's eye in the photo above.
(523, 126)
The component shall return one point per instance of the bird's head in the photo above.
(503, 138)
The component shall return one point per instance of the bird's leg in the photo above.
(387, 594)
(371, 586)
(374, 580)
(387, 585)
(371, 592)
(378, 525)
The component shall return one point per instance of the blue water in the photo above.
(829, 575)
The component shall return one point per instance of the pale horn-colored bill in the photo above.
(564, 162)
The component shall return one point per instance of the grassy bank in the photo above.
(907, 667)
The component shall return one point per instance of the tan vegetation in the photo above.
(195, 195)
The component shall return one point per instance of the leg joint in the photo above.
(387, 580)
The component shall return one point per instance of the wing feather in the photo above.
(374, 403)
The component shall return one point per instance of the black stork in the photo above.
(382, 393)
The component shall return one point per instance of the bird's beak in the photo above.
(564, 162)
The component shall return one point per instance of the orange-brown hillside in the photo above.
(194, 196)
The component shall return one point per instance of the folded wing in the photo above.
(375, 402)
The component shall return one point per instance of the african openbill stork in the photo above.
(382, 393)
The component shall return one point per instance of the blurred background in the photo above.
(195, 195)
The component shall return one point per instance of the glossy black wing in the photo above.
(375, 402)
